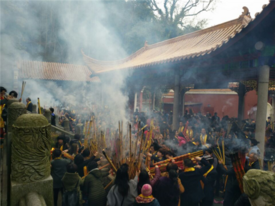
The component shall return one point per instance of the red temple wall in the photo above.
(223, 104)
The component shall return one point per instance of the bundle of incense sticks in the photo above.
(238, 169)
(39, 107)
(220, 155)
(181, 157)
(162, 167)
(22, 89)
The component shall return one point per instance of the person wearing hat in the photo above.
(61, 143)
(93, 189)
(58, 169)
(252, 162)
(190, 180)
(29, 104)
(254, 148)
(146, 198)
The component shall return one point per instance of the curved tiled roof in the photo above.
(54, 71)
(183, 47)
(188, 46)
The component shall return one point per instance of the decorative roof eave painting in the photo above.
(192, 45)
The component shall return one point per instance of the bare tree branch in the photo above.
(156, 8)
(203, 9)
(166, 9)
(172, 9)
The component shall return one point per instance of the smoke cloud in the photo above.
(58, 31)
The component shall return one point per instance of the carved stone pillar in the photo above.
(140, 100)
(30, 165)
(241, 94)
(15, 109)
(176, 103)
(135, 102)
(262, 108)
(66, 124)
(56, 120)
(34, 108)
(47, 114)
(79, 129)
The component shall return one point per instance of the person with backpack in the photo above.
(58, 170)
(72, 195)
(124, 191)
(93, 189)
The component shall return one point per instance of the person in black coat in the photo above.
(209, 185)
(232, 190)
(61, 143)
(190, 180)
(252, 162)
(52, 117)
(29, 104)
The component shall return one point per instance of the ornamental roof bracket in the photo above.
(245, 12)
(145, 45)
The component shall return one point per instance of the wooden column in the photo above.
(241, 94)
(262, 109)
(135, 102)
(176, 102)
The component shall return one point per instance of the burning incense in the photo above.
(38, 103)
(130, 131)
(100, 168)
(22, 89)
(110, 161)
(109, 184)
(223, 151)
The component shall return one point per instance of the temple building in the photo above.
(241, 50)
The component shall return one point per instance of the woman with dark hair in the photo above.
(145, 179)
(124, 191)
(167, 190)
(82, 160)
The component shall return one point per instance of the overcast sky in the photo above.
(226, 10)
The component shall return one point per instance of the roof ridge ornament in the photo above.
(145, 44)
(245, 13)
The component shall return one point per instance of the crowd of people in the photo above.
(191, 182)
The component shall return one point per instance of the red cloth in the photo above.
(181, 140)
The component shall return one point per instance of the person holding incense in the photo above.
(232, 190)
(144, 178)
(52, 117)
(2, 123)
(124, 190)
(72, 181)
(82, 160)
(181, 127)
(58, 169)
(190, 179)
(252, 162)
(209, 184)
(167, 190)
(160, 155)
(4, 101)
(61, 144)
(93, 189)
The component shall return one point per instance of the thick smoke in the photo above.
(70, 27)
